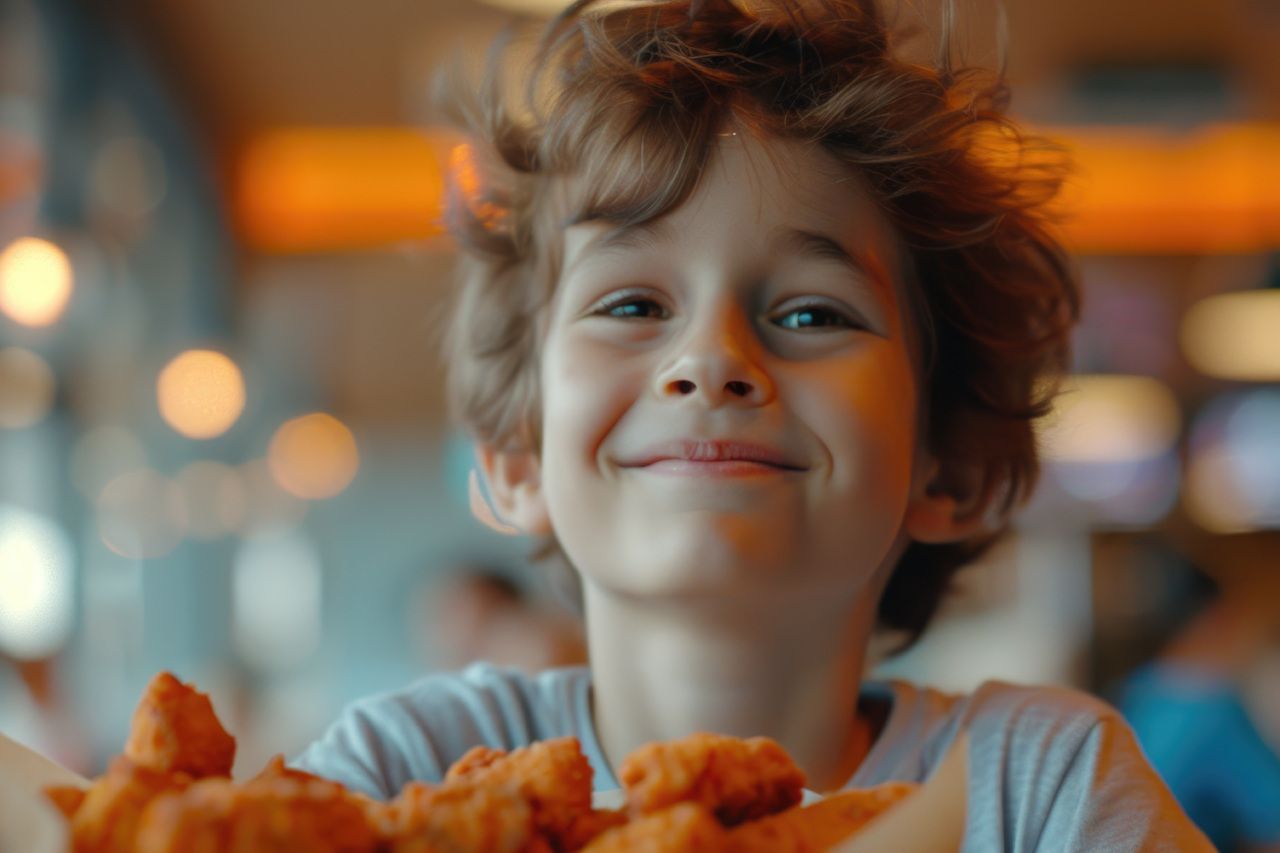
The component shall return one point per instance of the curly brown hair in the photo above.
(619, 118)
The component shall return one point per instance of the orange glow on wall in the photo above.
(1214, 189)
(1143, 190)
(324, 189)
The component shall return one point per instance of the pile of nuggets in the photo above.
(171, 791)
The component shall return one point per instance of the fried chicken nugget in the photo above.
(821, 825)
(108, 817)
(476, 758)
(375, 811)
(66, 798)
(735, 779)
(553, 775)
(275, 768)
(174, 728)
(196, 820)
(276, 813)
(681, 828)
(587, 826)
(461, 816)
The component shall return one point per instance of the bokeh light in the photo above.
(200, 393)
(142, 514)
(313, 456)
(214, 497)
(26, 388)
(275, 600)
(1135, 493)
(35, 281)
(1212, 498)
(1111, 418)
(1235, 336)
(102, 454)
(36, 572)
(1233, 473)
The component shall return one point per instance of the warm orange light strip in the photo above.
(1135, 190)
(328, 189)
(1140, 190)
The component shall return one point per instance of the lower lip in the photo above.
(723, 468)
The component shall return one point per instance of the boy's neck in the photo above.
(660, 674)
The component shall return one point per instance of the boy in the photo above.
(753, 330)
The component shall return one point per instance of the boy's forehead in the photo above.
(797, 179)
(788, 195)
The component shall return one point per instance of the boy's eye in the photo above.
(630, 307)
(814, 317)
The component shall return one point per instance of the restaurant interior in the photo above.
(224, 449)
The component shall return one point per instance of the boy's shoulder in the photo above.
(997, 716)
(1040, 704)
(1027, 704)
(1043, 762)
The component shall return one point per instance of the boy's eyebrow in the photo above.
(818, 245)
(639, 235)
(644, 235)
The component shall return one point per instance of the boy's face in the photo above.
(729, 400)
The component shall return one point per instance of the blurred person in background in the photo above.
(480, 614)
(1190, 706)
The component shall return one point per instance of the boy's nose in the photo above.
(719, 370)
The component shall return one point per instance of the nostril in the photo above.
(739, 389)
(684, 386)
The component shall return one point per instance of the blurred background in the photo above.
(223, 449)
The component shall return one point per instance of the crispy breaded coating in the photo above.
(588, 825)
(174, 728)
(269, 814)
(109, 814)
(460, 816)
(821, 825)
(553, 775)
(476, 758)
(195, 820)
(376, 812)
(733, 778)
(682, 828)
(681, 796)
(66, 798)
(292, 814)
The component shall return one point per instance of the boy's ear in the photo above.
(514, 480)
(951, 504)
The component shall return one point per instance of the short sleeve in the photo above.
(1109, 798)
(1055, 769)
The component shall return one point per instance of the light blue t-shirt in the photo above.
(1049, 768)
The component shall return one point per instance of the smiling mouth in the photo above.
(699, 458)
(721, 468)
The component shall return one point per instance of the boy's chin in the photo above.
(701, 560)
